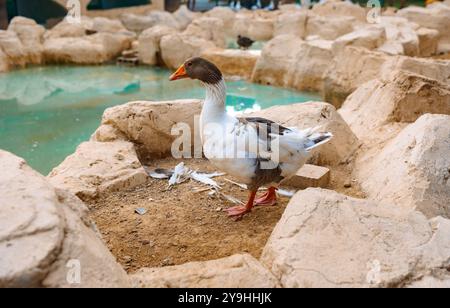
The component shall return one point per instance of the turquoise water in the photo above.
(45, 112)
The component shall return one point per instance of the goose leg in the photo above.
(239, 211)
(269, 198)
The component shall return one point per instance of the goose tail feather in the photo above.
(317, 139)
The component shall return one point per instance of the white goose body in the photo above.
(254, 150)
(227, 143)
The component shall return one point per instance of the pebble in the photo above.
(218, 209)
(167, 262)
(140, 211)
(127, 259)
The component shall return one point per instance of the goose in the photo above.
(254, 150)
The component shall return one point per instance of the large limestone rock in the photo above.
(237, 271)
(148, 124)
(93, 49)
(413, 169)
(277, 58)
(99, 167)
(329, 28)
(325, 239)
(103, 24)
(208, 28)
(184, 16)
(291, 23)
(226, 15)
(255, 27)
(138, 23)
(433, 17)
(46, 237)
(370, 37)
(340, 8)
(233, 62)
(442, 281)
(350, 68)
(177, 48)
(408, 91)
(311, 63)
(323, 116)
(12, 48)
(4, 62)
(66, 29)
(401, 35)
(428, 41)
(149, 44)
(31, 36)
(430, 68)
(290, 62)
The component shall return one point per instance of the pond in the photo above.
(45, 112)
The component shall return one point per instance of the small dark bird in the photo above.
(244, 42)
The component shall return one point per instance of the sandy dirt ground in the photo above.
(181, 225)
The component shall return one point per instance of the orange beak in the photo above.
(179, 74)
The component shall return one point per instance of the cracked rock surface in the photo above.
(326, 239)
(237, 271)
(42, 229)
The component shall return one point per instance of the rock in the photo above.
(402, 95)
(234, 62)
(226, 15)
(392, 48)
(31, 36)
(309, 176)
(153, 136)
(428, 41)
(293, 23)
(431, 282)
(325, 118)
(237, 271)
(432, 17)
(402, 33)
(277, 58)
(66, 29)
(429, 68)
(149, 44)
(12, 48)
(289, 61)
(177, 48)
(349, 69)
(184, 16)
(138, 23)
(4, 62)
(325, 239)
(102, 24)
(340, 8)
(208, 28)
(311, 64)
(45, 235)
(413, 169)
(370, 37)
(99, 167)
(254, 27)
(329, 28)
(93, 49)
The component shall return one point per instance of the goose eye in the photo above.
(189, 64)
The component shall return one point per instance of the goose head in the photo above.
(198, 69)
